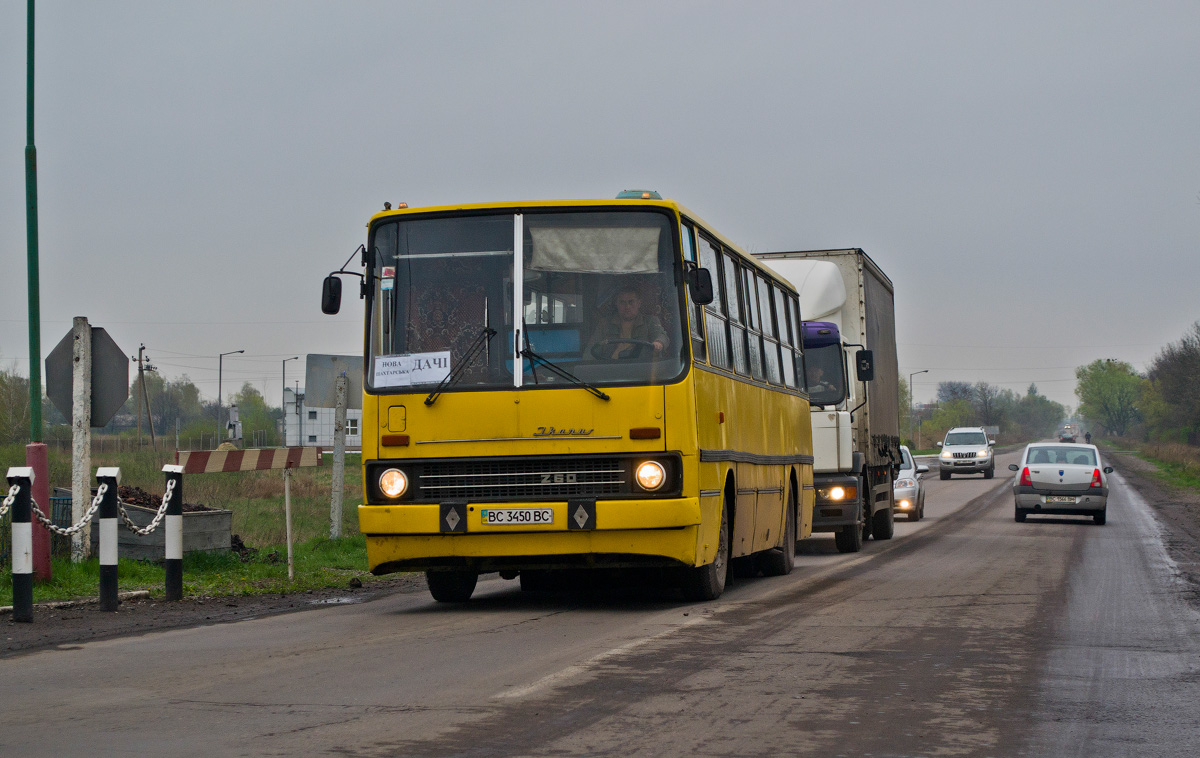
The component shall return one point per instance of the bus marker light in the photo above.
(394, 440)
(645, 433)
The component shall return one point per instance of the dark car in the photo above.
(1066, 437)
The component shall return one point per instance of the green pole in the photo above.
(31, 229)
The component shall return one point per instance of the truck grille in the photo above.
(964, 455)
(536, 479)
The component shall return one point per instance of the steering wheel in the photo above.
(639, 347)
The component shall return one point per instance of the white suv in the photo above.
(967, 450)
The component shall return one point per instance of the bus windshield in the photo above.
(826, 379)
(600, 295)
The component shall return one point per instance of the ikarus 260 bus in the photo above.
(577, 385)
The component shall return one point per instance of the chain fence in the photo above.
(59, 520)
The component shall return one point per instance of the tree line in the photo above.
(1019, 417)
(174, 405)
(1160, 405)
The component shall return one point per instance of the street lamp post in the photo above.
(912, 404)
(220, 359)
(283, 393)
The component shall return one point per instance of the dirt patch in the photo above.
(1178, 509)
(72, 624)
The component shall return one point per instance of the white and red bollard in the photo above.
(109, 513)
(173, 537)
(22, 543)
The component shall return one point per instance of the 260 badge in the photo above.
(516, 516)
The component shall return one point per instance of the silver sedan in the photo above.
(908, 488)
(1061, 478)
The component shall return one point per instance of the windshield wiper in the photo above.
(527, 353)
(468, 358)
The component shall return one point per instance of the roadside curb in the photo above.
(128, 595)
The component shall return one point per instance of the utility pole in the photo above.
(912, 404)
(145, 399)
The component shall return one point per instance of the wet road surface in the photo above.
(967, 634)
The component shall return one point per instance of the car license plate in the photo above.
(1060, 499)
(516, 516)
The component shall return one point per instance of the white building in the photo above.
(313, 427)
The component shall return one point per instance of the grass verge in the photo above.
(1177, 465)
(320, 563)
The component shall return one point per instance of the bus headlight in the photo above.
(393, 483)
(650, 475)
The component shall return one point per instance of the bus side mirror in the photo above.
(864, 360)
(331, 295)
(700, 284)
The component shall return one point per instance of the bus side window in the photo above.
(715, 324)
(783, 319)
(734, 300)
(798, 337)
(699, 351)
(754, 342)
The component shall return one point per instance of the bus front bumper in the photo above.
(626, 533)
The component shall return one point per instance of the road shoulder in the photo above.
(1178, 512)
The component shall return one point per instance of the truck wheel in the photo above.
(708, 582)
(944, 474)
(883, 524)
(454, 586)
(849, 539)
(780, 561)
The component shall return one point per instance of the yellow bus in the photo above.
(577, 385)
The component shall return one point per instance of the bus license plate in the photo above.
(516, 516)
(1060, 499)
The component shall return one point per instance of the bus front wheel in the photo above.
(454, 586)
(708, 582)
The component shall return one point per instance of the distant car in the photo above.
(908, 488)
(1066, 437)
(1065, 478)
(967, 450)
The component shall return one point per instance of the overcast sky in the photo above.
(1028, 174)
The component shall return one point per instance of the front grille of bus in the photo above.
(534, 478)
(523, 480)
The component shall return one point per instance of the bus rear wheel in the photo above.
(708, 582)
(781, 560)
(453, 586)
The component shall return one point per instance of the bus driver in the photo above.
(629, 323)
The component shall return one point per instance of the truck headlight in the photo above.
(393, 483)
(838, 492)
(947, 454)
(650, 475)
(982, 454)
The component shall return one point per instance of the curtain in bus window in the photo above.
(597, 250)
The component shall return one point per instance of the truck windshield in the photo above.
(600, 294)
(825, 375)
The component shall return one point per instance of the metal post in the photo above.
(31, 232)
(287, 517)
(81, 436)
(339, 458)
(108, 537)
(174, 533)
(22, 543)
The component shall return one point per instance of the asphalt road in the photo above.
(967, 634)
